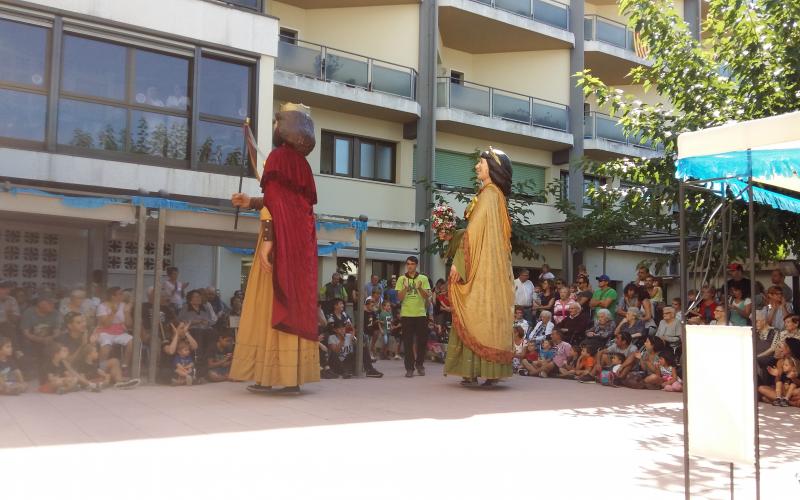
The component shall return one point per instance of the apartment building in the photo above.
(106, 106)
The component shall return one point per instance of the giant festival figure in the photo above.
(481, 287)
(277, 341)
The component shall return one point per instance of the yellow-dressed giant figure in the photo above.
(481, 287)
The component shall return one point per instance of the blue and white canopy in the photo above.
(726, 157)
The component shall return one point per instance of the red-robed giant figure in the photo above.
(277, 342)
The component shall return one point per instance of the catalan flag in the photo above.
(640, 46)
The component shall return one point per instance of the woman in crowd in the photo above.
(777, 307)
(76, 302)
(669, 330)
(201, 323)
(602, 331)
(739, 306)
(114, 319)
(481, 281)
(543, 328)
(561, 306)
(547, 298)
(632, 324)
(765, 335)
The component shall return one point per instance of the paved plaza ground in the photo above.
(390, 438)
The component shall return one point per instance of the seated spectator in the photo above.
(220, 357)
(113, 320)
(677, 305)
(630, 298)
(214, 300)
(558, 365)
(55, 377)
(40, 326)
(585, 364)
(520, 321)
(703, 314)
(780, 392)
(632, 324)
(201, 323)
(720, 316)
(77, 302)
(169, 347)
(341, 344)
(653, 286)
(791, 330)
(765, 335)
(520, 348)
(602, 331)
(622, 345)
(76, 334)
(444, 314)
(167, 315)
(777, 307)
(561, 305)
(9, 311)
(184, 372)
(646, 374)
(11, 380)
(669, 330)
(670, 381)
(544, 328)
(338, 315)
(86, 365)
(533, 367)
(739, 306)
(574, 326)
(436, 345)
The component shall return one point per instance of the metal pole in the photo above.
(138, 291)
(751, 237)
(155, 324)
(731, 480)
(359, 309)
(684, 292)
(726, 238)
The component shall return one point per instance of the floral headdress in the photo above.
(443, 218)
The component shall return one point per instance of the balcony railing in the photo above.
(501, 104)
(600, 126)
(545, 11)
(605, 30)
(332, 65)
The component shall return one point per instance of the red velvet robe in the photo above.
(290, 196)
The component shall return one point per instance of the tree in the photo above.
(748, 67)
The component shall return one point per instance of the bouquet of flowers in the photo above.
(443, 221)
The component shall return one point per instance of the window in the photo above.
(246, 4)
(224, 102)
(358, 157)
(386, 269)
(24, 81)
(288, 36)
(125, 99)
(456, 77)
(587, 181)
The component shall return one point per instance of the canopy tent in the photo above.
(767, 149)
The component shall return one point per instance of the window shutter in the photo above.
(454, 169)
(525, 172)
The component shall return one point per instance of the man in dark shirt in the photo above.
(585, 293)
(735, 271)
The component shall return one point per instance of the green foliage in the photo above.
(748, 67)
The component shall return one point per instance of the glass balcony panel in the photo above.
(485, 2)
(588, 28)
(588, 127)
(611, 33)
(442, 89)
(347, 70)
(609, 128)
(547, 115)
(629, 39)
(299, 60)
(521, 7)
(554, 14)
(511, 108)
(392, 81)
(470, 99)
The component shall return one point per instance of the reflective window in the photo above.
(224, 89)
(93, 68)
(359, 157)
(153, 134)
(161, 81)
(384, 159)
(22, 115)
(341, 157)
(93, 126)
(249, 4)
(367, 160)
(220, 144)
(23, 54)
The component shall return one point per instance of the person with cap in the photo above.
(278, 338)
(737, 278)
(9, 311)
(604, 297)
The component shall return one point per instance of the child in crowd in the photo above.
(220, 355)
(519, 320)
(616, 362)
(371, 328)
(55, 377)
(785, 371)
(520, 348)
(395, 343)
(436, 351)
(183, 365)
(385, 327)
(11, 380)
(85, 363)
(544, 356)
(585, 363)
(670, 381)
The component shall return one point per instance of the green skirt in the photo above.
(463, 362)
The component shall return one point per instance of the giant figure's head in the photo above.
(499, 169)
(293, 126)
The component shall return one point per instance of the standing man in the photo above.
(642, 273)
(413, 290)
(174, 289)
(737, 278)
(604, 297)
(524, 294)
(585, 294)
(331, 292)
(778, 279)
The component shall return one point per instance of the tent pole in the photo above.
(155, 323)
(752, 249)
(684, 293)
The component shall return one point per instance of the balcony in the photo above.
(604, 139)
(329, 78)
(505, 25)
(610, 50)
(499, 116)
(330, 4)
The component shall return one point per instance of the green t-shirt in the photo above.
(608, 293)
(413, 304)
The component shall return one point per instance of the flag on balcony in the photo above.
(640, 46)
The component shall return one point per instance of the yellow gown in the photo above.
(262, 353)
